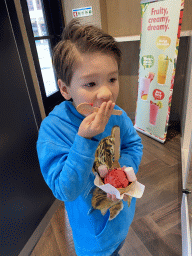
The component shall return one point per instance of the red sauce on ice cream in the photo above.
(117, 178)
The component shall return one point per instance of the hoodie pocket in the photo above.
(96, 221)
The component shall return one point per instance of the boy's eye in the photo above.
(90, 84)
(112, 80)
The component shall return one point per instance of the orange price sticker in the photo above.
(163, 42)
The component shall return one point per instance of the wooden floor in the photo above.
(156, 229)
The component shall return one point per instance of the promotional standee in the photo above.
(160, 34)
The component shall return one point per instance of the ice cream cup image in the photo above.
(144, 84)
(151, 76)
(163, 63)
(153, 113)
(154, 109)
(115, 183)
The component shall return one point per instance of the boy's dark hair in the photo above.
(78, 39)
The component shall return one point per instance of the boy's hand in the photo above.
(114, 198)
(95, 123)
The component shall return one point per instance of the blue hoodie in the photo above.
(66, 160)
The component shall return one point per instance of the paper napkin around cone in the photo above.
(134, 189)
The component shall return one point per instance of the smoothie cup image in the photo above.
(144, 87)
(163, 63)
(153, 113)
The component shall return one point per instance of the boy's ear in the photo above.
(64, 89)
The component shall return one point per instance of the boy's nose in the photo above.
(104, 93)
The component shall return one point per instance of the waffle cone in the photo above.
(122, 190)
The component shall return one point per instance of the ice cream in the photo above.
(117, 178)
(151, 76)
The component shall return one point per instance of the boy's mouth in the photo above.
(97, 105)
(87, 108)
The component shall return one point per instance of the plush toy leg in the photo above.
(101, 202)
(115, 210)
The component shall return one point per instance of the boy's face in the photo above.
(95, 80)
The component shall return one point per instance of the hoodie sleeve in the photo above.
(66, 169)
(131, 146)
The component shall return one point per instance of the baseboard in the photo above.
(28, 248)
(185, 227)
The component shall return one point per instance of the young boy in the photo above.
(87, 63)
